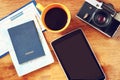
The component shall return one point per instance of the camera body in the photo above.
(100, 16)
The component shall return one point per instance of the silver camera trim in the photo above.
(95, 3)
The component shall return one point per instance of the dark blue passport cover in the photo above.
(26, 42)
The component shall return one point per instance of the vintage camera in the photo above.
(100, 16)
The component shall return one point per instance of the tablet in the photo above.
(76, 57)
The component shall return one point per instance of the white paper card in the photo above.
(27, 13)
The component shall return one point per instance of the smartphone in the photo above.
(76, 57)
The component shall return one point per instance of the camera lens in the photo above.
(102, 18)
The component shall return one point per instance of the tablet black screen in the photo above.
(76, 57)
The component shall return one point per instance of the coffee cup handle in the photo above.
(40, 7)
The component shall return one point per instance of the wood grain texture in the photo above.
(107, 50)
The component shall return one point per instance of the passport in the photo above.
(26, 42)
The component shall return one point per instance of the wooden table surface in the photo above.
(106, 49)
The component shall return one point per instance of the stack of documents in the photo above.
(24, 17)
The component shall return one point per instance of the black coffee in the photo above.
(56, 18)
